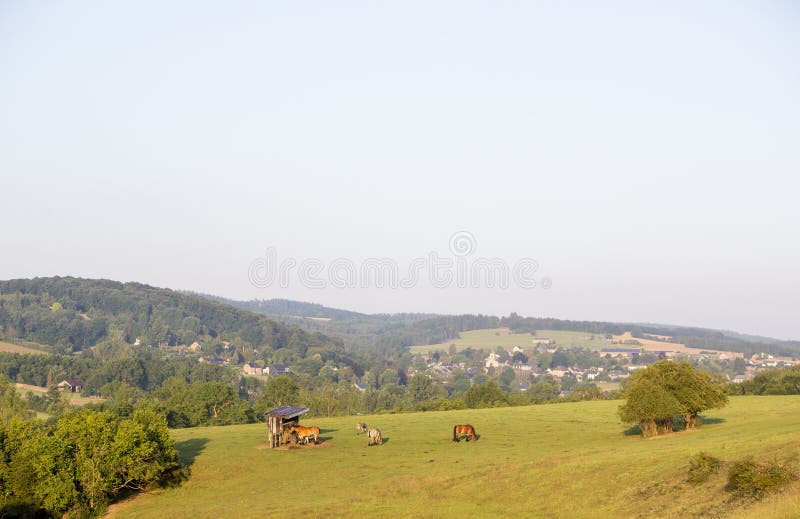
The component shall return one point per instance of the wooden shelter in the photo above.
(279, 421)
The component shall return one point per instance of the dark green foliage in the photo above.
(421, 388)
(701, 467)
(79, 464)
(780, 381)
(749, 479)
(485, 395)
(11, 404)
(72, 314)
(279, 391)
(200, 403)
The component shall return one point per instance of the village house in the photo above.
(559, 371)
(621, 352)
(251, 369)
(521, 369)
(72, 385)
(276, 370)
(493, 361)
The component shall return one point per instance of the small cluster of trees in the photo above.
(669, 395)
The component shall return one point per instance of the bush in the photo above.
(701, 467)
(748, 479)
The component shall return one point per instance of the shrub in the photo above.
(749, 479)
(701, 467)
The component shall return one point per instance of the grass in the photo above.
(489, 339)
(8, 347)
(565, 460)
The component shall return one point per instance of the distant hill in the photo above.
(288, 308)
(389, 335)
(71, 314)
(399, 331)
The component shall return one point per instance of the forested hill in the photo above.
(70, 314)
(288, 308)
(386, 334)
(394, 332)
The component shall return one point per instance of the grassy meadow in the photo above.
(562, 460)
(489, 339)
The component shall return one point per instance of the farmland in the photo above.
(74, 398)
(490, 339)
(566, 460)
(31, 348)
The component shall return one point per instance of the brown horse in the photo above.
(305, 433)
(464, 430)
(374, 437)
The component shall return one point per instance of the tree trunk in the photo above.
(664, 425)
(648, 428)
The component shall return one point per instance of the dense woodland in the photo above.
(70, 315)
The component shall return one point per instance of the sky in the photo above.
(630, 161)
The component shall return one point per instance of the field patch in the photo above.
(74, 398)
(9, 347)
(489, 339)
(560, 460)
(654, 345)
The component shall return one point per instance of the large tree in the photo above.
(658, 394)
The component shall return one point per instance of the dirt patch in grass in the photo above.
(295, 447)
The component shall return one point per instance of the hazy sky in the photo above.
(646, 155)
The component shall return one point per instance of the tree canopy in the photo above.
(657, 395)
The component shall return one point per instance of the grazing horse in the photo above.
(374, 437)
(305, 433)
(464, 430)
(361, 427)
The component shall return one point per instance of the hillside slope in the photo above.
(568, 460)
(71, 314)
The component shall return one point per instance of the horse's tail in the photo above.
(455, 437)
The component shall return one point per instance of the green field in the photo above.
(564, 460)
(490, 339)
